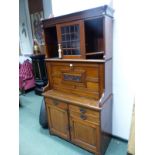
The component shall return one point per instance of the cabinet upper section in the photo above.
(81, 35)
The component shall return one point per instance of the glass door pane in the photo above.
(72, 40)
(70, 37)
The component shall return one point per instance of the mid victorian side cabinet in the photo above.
(78, 96)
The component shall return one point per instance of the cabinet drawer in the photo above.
(84, 117)
(83, 110)
(56, 103)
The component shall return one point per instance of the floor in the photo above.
(34, 140)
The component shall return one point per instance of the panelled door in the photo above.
(58, 118)
(72, 40)
(84, 134)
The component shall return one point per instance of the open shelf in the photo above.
(51, 42)
(94, 38)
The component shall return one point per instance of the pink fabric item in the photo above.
(26, 78)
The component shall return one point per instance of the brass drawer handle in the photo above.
(83, 117)
(56, 103)
(82, 110)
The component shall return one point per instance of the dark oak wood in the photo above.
(80, 23)
(108, 36)
(79, 92)
(106, 125)
(95, 34)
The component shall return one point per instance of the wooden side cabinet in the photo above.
(78, 96)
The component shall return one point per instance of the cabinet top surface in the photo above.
(72, 99)
(75, 60)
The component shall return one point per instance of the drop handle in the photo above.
(83, 117)
(56, 103)
(82, 110)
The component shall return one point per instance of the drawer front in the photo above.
(83, 110)
(57, 103)
(84, 117)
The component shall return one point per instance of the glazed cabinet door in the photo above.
(58, 118)
(71, 39)
(84, 134)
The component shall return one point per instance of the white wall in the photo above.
(25, 41)
(123, 65)
(68, 6)
(47, 5)
(123, 79)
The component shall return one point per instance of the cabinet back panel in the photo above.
(51, 42)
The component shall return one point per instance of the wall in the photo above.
(123, 88)
(68, 6)
(47, 6)
(26, 43)
(25, 34)
(123, 64)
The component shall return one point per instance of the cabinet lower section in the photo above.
(77, 124)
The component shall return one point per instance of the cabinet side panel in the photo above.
(106, 124)
(48, 67)
(102, 78)
(108, 34)
(108, 78)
